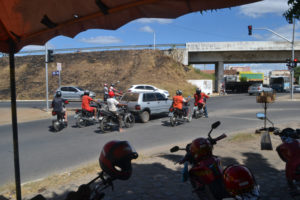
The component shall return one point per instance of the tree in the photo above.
(297, 74)
(293, 11)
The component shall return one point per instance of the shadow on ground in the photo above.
(3, 198)
(157, 181)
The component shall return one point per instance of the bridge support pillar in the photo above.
(219, 74)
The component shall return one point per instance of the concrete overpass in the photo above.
(220, 53)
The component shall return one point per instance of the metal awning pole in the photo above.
(14, 119)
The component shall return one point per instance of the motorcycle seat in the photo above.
(87, 113)
(107, 113)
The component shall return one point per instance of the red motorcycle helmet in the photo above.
(115, 159)
(200, 149)
(111, 94)
(238, 180)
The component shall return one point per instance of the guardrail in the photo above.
(102, 48)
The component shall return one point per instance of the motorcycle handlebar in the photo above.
(214, 140)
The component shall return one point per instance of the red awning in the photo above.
(28, 22)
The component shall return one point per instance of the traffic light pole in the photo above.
(46, 69)
(293, 57)
(293, 53)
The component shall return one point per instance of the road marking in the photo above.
(243, 118)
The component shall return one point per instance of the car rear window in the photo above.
(130, 97)
(149, 97)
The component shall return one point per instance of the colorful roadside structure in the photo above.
(251, 76)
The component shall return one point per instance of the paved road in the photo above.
(43, 152)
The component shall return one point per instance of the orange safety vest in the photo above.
(177, 102)
(86, 102)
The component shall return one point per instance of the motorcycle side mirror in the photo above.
(215, 125)
(261, 116)
(174, 149)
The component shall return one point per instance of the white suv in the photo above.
(145, 104)
(148, 88)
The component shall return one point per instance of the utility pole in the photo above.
(46, 69)
(250, 28)
(293, 58)
(154, 40)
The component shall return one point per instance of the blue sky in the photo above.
(229, 24)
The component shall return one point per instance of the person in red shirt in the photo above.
(200, 100)
(115, 91)
(178, 101)
(85, 104)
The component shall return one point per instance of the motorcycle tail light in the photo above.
(258, 88)
(53, 113)
(137, 107)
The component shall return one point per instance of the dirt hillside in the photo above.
(91, 70)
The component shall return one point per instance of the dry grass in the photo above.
(91, 70)
(242, 137)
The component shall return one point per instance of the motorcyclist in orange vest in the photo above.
(85, 104)
(178, 101)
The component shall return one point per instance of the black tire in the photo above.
(145, 116)
(129, 120)
(103, 126)
(56, 126)
(80, 122)
(196, 115)
(172, 121)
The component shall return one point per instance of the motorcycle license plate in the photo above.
(170, 114)
(76, 116)
(100, 118)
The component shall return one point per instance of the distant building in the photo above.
(208, 71)
(280, 73)
(239, 68)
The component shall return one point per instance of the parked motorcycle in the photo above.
(288, 151)
(177, 116)
(85, 118)
(109, 121)
(206, 174)
(115, 161)
(58, 120)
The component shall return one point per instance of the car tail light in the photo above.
(137, 107)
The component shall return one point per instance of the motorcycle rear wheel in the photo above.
(173, 120)
(80, 122)
(129, 121)
(103, 126)
(56, 126)
(196, 115)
